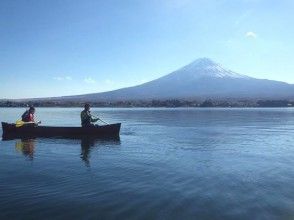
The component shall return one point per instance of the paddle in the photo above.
(99, 119)
(103, 121)
(20, 123)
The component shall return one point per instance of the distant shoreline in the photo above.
(171, 103)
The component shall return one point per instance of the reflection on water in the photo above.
(87, 144)
(26, 147)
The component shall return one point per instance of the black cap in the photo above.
(32, 108)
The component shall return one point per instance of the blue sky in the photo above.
(66, 47)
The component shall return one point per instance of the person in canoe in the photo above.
(87, 119)
(29, 115)
(28, 118)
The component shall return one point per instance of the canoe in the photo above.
(32, 131)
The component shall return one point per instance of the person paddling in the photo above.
(87, 119)
(28, 118)
(29, 115)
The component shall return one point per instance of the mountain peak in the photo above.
(205, 67)
(204, 61)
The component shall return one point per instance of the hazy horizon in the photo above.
(54, 48)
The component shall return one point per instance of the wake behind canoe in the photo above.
(10, 130)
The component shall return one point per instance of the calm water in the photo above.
(168, 164)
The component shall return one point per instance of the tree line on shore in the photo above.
(170, 103)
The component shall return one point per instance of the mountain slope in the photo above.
(202, 78)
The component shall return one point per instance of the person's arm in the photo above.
(32, 118)
(93, 119)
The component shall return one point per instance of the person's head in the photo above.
(32, 110)
(87, 106)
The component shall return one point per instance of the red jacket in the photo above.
(28, 117)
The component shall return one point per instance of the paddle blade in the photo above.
(19, 123)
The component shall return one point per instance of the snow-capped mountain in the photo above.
(203, 79)
(205, 67)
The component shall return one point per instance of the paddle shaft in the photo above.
(103, 121)
(99, 119)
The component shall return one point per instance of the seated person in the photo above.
(29, 115)
(87, 119)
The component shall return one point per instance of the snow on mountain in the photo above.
(205, 67)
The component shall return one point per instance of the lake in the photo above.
(168, 164)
